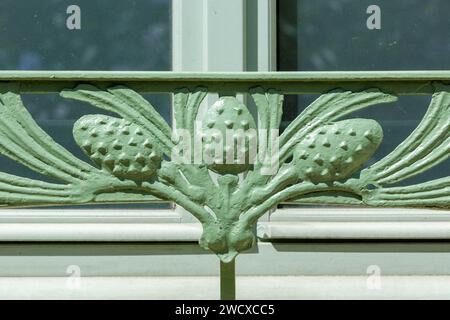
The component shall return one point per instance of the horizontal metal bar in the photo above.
(168, 76)
(400, 82)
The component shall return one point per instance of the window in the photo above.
(335, 36)
(110, 35)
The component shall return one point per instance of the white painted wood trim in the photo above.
(208, 35)
(356, 223)
(105, 232)
(167, 225)
(88, 216)
(267, 35)
(259, 288)
(343, 214)
(85, 225)
(353, 230)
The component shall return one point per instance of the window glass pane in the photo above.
(333, 36)
(322, 35)
(112, 35)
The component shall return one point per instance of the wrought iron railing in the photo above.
(223, 166)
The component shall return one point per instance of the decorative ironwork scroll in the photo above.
(319, 157)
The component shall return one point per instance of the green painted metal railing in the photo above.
(222, 165)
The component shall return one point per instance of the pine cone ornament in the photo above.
(117, 146)
(335, 151)
(229, 115)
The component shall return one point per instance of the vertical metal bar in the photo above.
(227, 280)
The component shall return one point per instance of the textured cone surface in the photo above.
(230, 116)
(336, 151)
(118, 146)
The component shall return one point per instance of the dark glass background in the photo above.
(322, 35)
(114, 35)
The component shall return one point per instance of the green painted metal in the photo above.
(228, 114)
(228, 280)
(398, 82)
(318, 156)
